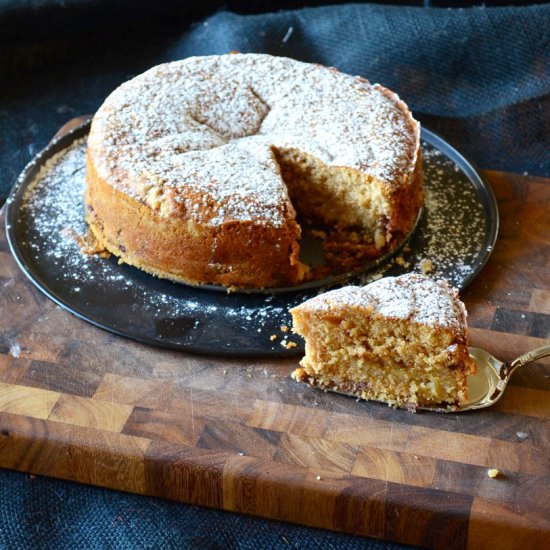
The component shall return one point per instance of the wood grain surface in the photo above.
(81, 404)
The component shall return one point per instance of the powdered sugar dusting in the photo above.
(54, 203)
(15, 350)
(175, 136)
(412, 297)
(53, 210)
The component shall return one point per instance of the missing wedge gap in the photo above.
(343, 214)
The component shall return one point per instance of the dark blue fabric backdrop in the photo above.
(480, 77)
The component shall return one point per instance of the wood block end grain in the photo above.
(90, 413)
(22, 400)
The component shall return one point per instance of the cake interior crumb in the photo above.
(392, 362)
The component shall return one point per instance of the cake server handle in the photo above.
(508, 368)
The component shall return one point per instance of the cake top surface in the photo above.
(186, 134)
(411, 297)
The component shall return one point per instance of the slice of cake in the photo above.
(401, 340)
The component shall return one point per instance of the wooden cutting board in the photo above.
(81, 404)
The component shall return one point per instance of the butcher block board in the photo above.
(81, 404)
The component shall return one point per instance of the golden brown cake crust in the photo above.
(135, 233)
(182, 173)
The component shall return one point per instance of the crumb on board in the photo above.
(426, 266)
(225, 371)
(493, 473)
(273, 337)
(284, 328)
(318, 478)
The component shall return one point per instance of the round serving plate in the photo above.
(453, 239)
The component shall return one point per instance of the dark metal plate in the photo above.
(456, 232)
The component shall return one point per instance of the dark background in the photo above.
(479, 76)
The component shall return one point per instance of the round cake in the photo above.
(196, 169)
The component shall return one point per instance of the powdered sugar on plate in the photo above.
(452, 231)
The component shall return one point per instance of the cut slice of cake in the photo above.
(401, 340)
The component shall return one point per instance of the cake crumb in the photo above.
(319, 234)
(401, 261)
(273, 337)
(318, 478)
(493, 473)
(287, 344)
(298, 374)
(284, 328)
(426, 266)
